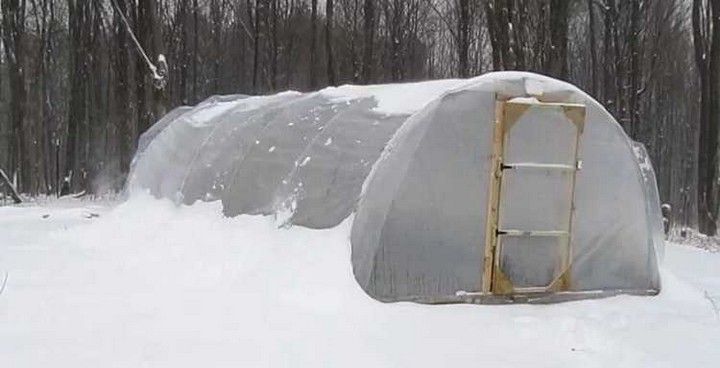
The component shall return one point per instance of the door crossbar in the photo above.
(515, 232)
(532, 165)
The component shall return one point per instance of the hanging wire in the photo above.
(151, 66)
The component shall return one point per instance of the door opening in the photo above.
(530, 208)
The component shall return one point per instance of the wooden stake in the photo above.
(13, 192)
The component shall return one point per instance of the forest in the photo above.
(80, 80)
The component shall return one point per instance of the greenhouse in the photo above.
(505, 187)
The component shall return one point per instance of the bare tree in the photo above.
(195, 60)
(313, 45)
(122, 117)
(557, 60)
(706, 37)
(14, 45)
(634, 72)
(463, 36)
(593, 50)
(78, 24)
(329, 10)
(369, 37)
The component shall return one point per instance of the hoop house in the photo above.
(505, 187)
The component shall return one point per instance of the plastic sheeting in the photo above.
(419, 232)
(304, 155)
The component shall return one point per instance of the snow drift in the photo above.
(150, 284)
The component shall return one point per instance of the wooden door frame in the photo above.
(507, 113)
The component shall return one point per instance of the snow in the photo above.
(305, 161)
(533, 87)
(696, 239)
(206, 112)
(146, 283)
(394, 98)
(643, 159)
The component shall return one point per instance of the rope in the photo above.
(151, 66)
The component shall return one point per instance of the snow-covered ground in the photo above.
(148, 284)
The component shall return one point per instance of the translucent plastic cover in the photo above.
(581, 211)
(302, 154)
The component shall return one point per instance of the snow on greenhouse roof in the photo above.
(398, 98)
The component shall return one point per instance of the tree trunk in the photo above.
(313, 46)
(395, 14)
(618, 62)
(710, 135)
(493, 35)
(607, 65)
(196, 34)
(541, 44)
(557, 62)
(14, 45)
(96, 123)
(122, 92)
(77, 117)
(291, 58)
(591, 46)
(255, 20)
(707, 44)
(329, 9)
(369, 34)
(183, 58)
(633, 87)
(517, 16)
(463, 37)
(501, 21)
(273, 26)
